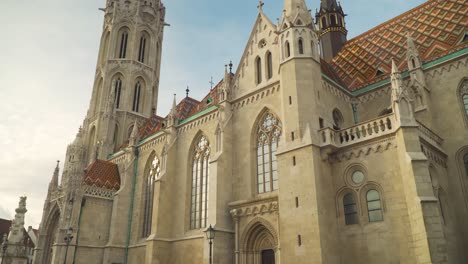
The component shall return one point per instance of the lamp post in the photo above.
(68, 238)
(210, 235)
(4, 246)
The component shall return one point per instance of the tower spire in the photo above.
(296, 9)
(332, 28)
(54, 182)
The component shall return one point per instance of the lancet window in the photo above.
(200, 174)
(269, 58)
(288, 49)
(301, 46)
(153, 174)
(268, 136)
(118, 92)
(136, 97)
(123, 44)
(142, 49)
(258, 62)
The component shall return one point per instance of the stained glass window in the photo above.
(268, 136)
(153, 174)
(200, 173)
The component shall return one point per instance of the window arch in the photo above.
(301, 46)
(333, 20)
(268, 135)
(288, 49)
(374, 206)
(258, 64)
(153, 173)
(200, 174)
(350, 209)
(136, 97)
(123, 41)
(118, 92)
(269, 59)
(142, 49)
(105, 47)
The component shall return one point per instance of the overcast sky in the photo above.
(48, 53)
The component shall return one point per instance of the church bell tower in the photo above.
(127, 74)
(332, 28)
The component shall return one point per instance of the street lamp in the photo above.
(68, 238)
(210, 235)
(4, 246)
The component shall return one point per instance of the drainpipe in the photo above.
(83, 202)
(130, 213)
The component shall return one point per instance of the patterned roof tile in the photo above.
(436, 26)
(103, 174)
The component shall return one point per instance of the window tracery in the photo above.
(153, 174)
(200, 174)
(268, 136)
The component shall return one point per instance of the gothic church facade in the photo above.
(315, 149)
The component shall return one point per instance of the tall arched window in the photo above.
(200, 174)
(374, 206)
(123, 44)
(333, 20)
(465, 103)
(324, 22)
(288, 49)
(118, 92)
(465, 160)
(152, 175)
(258, 63)
(136, 97)
(268, 136)
(142, 48)
(269, 58)
(301, 46)
(350, 209)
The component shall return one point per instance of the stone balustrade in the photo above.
(429, 136)
(371, 129)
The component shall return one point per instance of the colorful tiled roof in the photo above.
(103, 174)
(437, 27)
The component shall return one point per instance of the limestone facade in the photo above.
(289, 161)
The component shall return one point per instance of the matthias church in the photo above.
(316, 148)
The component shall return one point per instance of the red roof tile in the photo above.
(102, 174)
(437, 28)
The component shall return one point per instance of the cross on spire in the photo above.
(260, 5)
(187, 91)
(211, 82)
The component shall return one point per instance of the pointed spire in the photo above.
(294, 9)
(412, 53)
(396, 81)
(174, 105)
(54, 182)
(328, 4)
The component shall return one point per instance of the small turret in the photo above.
(134, 137)
(414, 63)
(401, 102)
(332, 28)
(172, 118)
(296, 12)
(53, 185)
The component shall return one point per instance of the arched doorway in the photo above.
(50, 239)
(260, 244)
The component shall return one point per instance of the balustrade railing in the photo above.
(429, 136)
(364, 131)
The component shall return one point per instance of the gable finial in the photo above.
(230, 66)
(211, 82)
(260, 6)
(187, 91)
